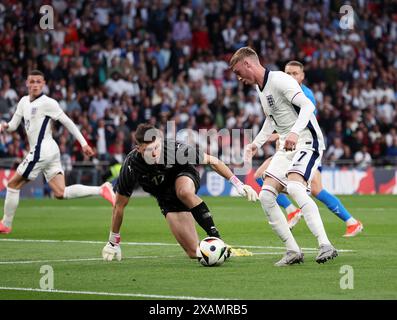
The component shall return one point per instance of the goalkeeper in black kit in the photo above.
(165, 169)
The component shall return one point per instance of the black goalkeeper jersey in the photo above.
(157, 179)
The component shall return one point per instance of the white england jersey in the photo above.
(37, 115)
(276, 97)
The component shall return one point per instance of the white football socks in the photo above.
(291, 208)
(351, 221)
(309, 209)
(10, 206)
(12, 199)
(79, 191)
(276, 217)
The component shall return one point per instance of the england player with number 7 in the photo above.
(290, 113)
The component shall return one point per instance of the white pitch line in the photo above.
(79, 259)
(89, 242)
(47, 261)
(304, 249)
(104, 207)
(283, 252)
(277, 253)
(147, 244)
(100, 259)
(372, 209)
(136, 295)
(268, 247)
(268, 253)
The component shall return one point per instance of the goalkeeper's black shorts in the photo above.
(168, 200)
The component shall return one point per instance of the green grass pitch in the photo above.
(154, 267)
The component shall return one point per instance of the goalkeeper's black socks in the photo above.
(203, 217)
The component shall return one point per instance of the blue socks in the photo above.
(334, 204)
(283, 201)
(259, 181)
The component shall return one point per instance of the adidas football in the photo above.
(211, 252)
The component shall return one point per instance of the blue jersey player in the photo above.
(296, 70)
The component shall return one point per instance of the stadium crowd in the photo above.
(113, 64)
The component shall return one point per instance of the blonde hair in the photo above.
(241, 54)
(295, 63)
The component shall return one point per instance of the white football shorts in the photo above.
(49, 165)
(302, 161)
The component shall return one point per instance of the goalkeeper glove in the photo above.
(244, 189)
(112, 248)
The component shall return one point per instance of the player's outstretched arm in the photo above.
(263, 136)
(112, 249)
(265, 133)
(14, 122)
(53, 110)
(220, 168)
(72, 128)
(12, 125)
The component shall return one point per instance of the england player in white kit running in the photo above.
(290, 113)
(38, 110)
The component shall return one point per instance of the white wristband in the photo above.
(114, 238)
(236, 181)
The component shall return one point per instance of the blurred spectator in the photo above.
(392, 149)
(99, 105)
(181, 30)
(9, 94)
(336, 150)
(229, 35)
(347, 155)
(66, 159)
(195, 72)
(101, 145)
(362, 158)
(115, 63)
(208, 90)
